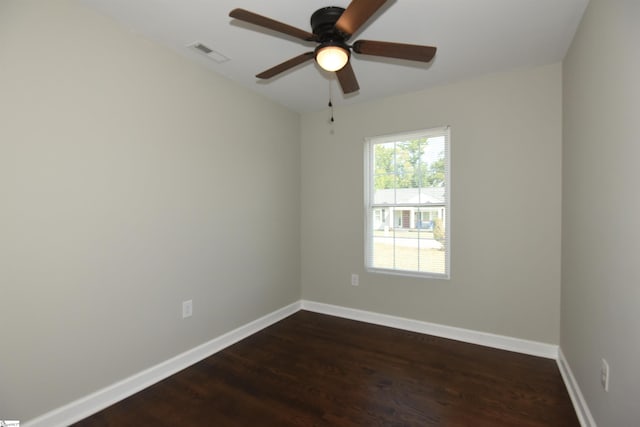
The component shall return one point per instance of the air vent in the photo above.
(208, 52)
(202, 48)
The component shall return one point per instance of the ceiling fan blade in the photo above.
(411, 52)
(271, 24)
(356, 14)
(347, 79)
(280, 68)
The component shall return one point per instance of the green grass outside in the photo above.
(424, 260)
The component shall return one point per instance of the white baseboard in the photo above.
(501, 342)
(580, 405)
(82, 408)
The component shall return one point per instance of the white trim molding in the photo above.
(95, 402)
(580, 405)
(88, 405)
(501, 342)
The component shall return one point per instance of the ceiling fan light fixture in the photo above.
(332, 56)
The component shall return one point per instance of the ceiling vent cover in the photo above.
(208, 52)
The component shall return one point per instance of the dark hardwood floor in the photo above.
(317, 370)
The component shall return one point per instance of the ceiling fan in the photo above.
(332, 27)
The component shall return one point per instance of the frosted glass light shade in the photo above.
(332, 58)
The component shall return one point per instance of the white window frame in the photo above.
(369, 206)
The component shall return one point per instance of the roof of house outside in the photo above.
(431, 195)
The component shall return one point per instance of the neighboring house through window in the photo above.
(407, 195)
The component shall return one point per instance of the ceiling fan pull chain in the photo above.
(330, 102)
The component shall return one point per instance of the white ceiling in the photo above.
(473, 37)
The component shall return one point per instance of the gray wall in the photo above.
(116, 158)
(506, 180)
(601, 209)
(130, 180)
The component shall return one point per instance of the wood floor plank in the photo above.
(316, 370)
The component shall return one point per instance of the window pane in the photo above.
(432, 254)
(407, 249)
(383, 251)
(384, 172)
(434, 162)
(384, 159)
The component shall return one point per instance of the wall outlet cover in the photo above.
(604, 375)
(355, 280)
(187, 308)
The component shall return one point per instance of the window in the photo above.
(407, 201)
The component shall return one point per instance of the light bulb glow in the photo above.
(332, 58)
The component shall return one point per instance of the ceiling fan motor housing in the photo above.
(323, 23)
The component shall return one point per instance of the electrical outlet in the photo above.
(187, 308)
(355, 280)
(604, 375)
